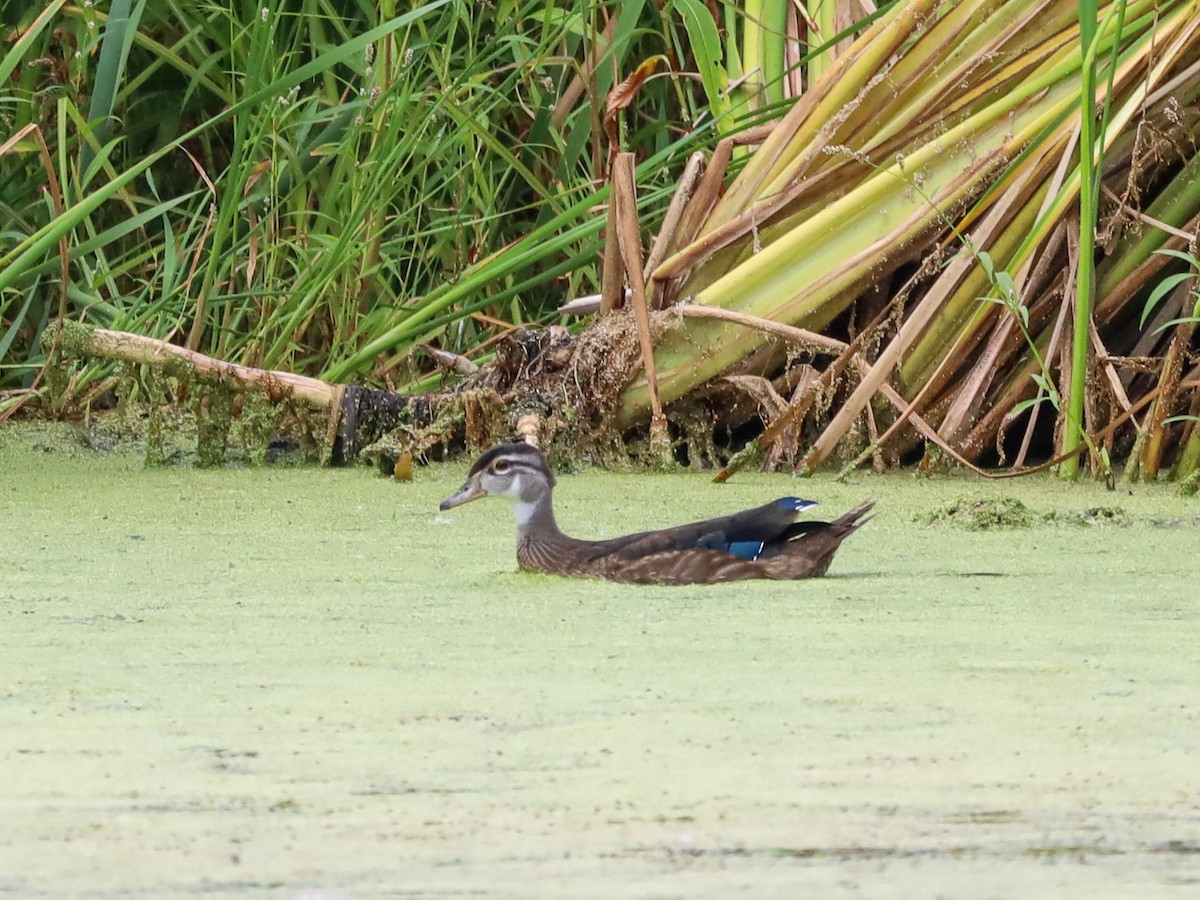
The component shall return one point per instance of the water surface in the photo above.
(311, 683)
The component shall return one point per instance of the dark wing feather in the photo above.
(762, 524)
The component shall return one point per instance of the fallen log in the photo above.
(357, 416)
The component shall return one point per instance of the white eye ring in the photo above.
(500, 466)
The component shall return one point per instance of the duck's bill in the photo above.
(468, 492)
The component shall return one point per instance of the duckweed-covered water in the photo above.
(311, 683)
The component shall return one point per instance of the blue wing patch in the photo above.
(795, 504)
(746, 549)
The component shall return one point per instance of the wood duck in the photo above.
(764, 542)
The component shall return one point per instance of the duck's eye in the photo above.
(500, 466)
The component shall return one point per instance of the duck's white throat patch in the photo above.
(524, 511)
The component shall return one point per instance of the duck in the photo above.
(764, 542)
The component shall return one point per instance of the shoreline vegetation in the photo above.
(810, 242)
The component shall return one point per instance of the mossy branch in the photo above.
(81, 341)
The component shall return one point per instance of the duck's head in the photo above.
(517, 472)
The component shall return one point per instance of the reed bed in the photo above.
(965, 224)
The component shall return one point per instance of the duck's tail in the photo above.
(848, 523)
(811, 545)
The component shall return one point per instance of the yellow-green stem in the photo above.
(1086, 267)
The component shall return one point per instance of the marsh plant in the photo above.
(331, 189)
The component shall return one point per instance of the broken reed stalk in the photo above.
(612, 279)
(629, 239)
(704, 199)
(684, 191)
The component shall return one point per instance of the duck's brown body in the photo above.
(672, 557)
(764, 542)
